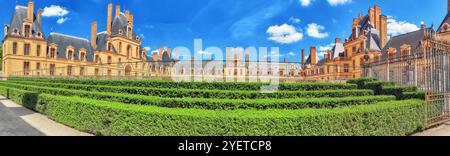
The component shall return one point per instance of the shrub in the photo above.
(202, 93)
(377, 86)
(398, 90)
(26, 98)
(196, 85)
(116, 119)
(295, 103)
(413, 95)
(361, 82)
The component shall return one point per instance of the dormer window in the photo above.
(52, 52)
(109, 46)
(120, 32)
(27, 30)
(129, 31)
(70, 55)
(82, 56)
(138, 38)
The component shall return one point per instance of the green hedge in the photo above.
(202, 93)
(114, 119)
(412, 95)
(196, 85)
(377, 86)
(203, 103)
(26, 98)
(398, 91)
(361, 82)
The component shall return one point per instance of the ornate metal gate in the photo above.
(426, 66)
(437, 81)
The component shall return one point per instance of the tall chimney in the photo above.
(313, 56)
(303, 57)
(109, 20)
(94, 34)
(329, 55)
(383, 31)
(448, 7)
(39, 16)
(117, 10)
(372, 16)
(127, 14)
(377, 17)
(131, 20)
(422, 25)
(155, 57)
(31, 11)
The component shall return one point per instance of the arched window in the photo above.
(109, 46)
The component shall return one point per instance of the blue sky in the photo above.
(291, 25)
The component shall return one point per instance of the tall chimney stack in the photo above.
(94, 34)
(383, 31)
(117, 10)
(109, 20)
(303, 57)
(39, 16)
(30, 11)
(313, 56)
(448, 7)
(377, 19)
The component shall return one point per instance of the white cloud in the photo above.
(305, 3)
(284, 34)
(291, 54)
(323, 50)
(313, 30)
(326, 47)
(62, 20)
(399, 27)
(148, 48)
(54, 11)
(294, 20)
(338, 2)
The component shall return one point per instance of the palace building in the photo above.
(28, 50)
(345, 60)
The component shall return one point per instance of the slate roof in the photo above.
(120, 22)
(413, 39)
(64, 41)
(338, 50)
(21, 13)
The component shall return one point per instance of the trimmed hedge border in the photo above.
(116, 119)
(361, 82)
(203, 103)
(201, 93)
(196, 85)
